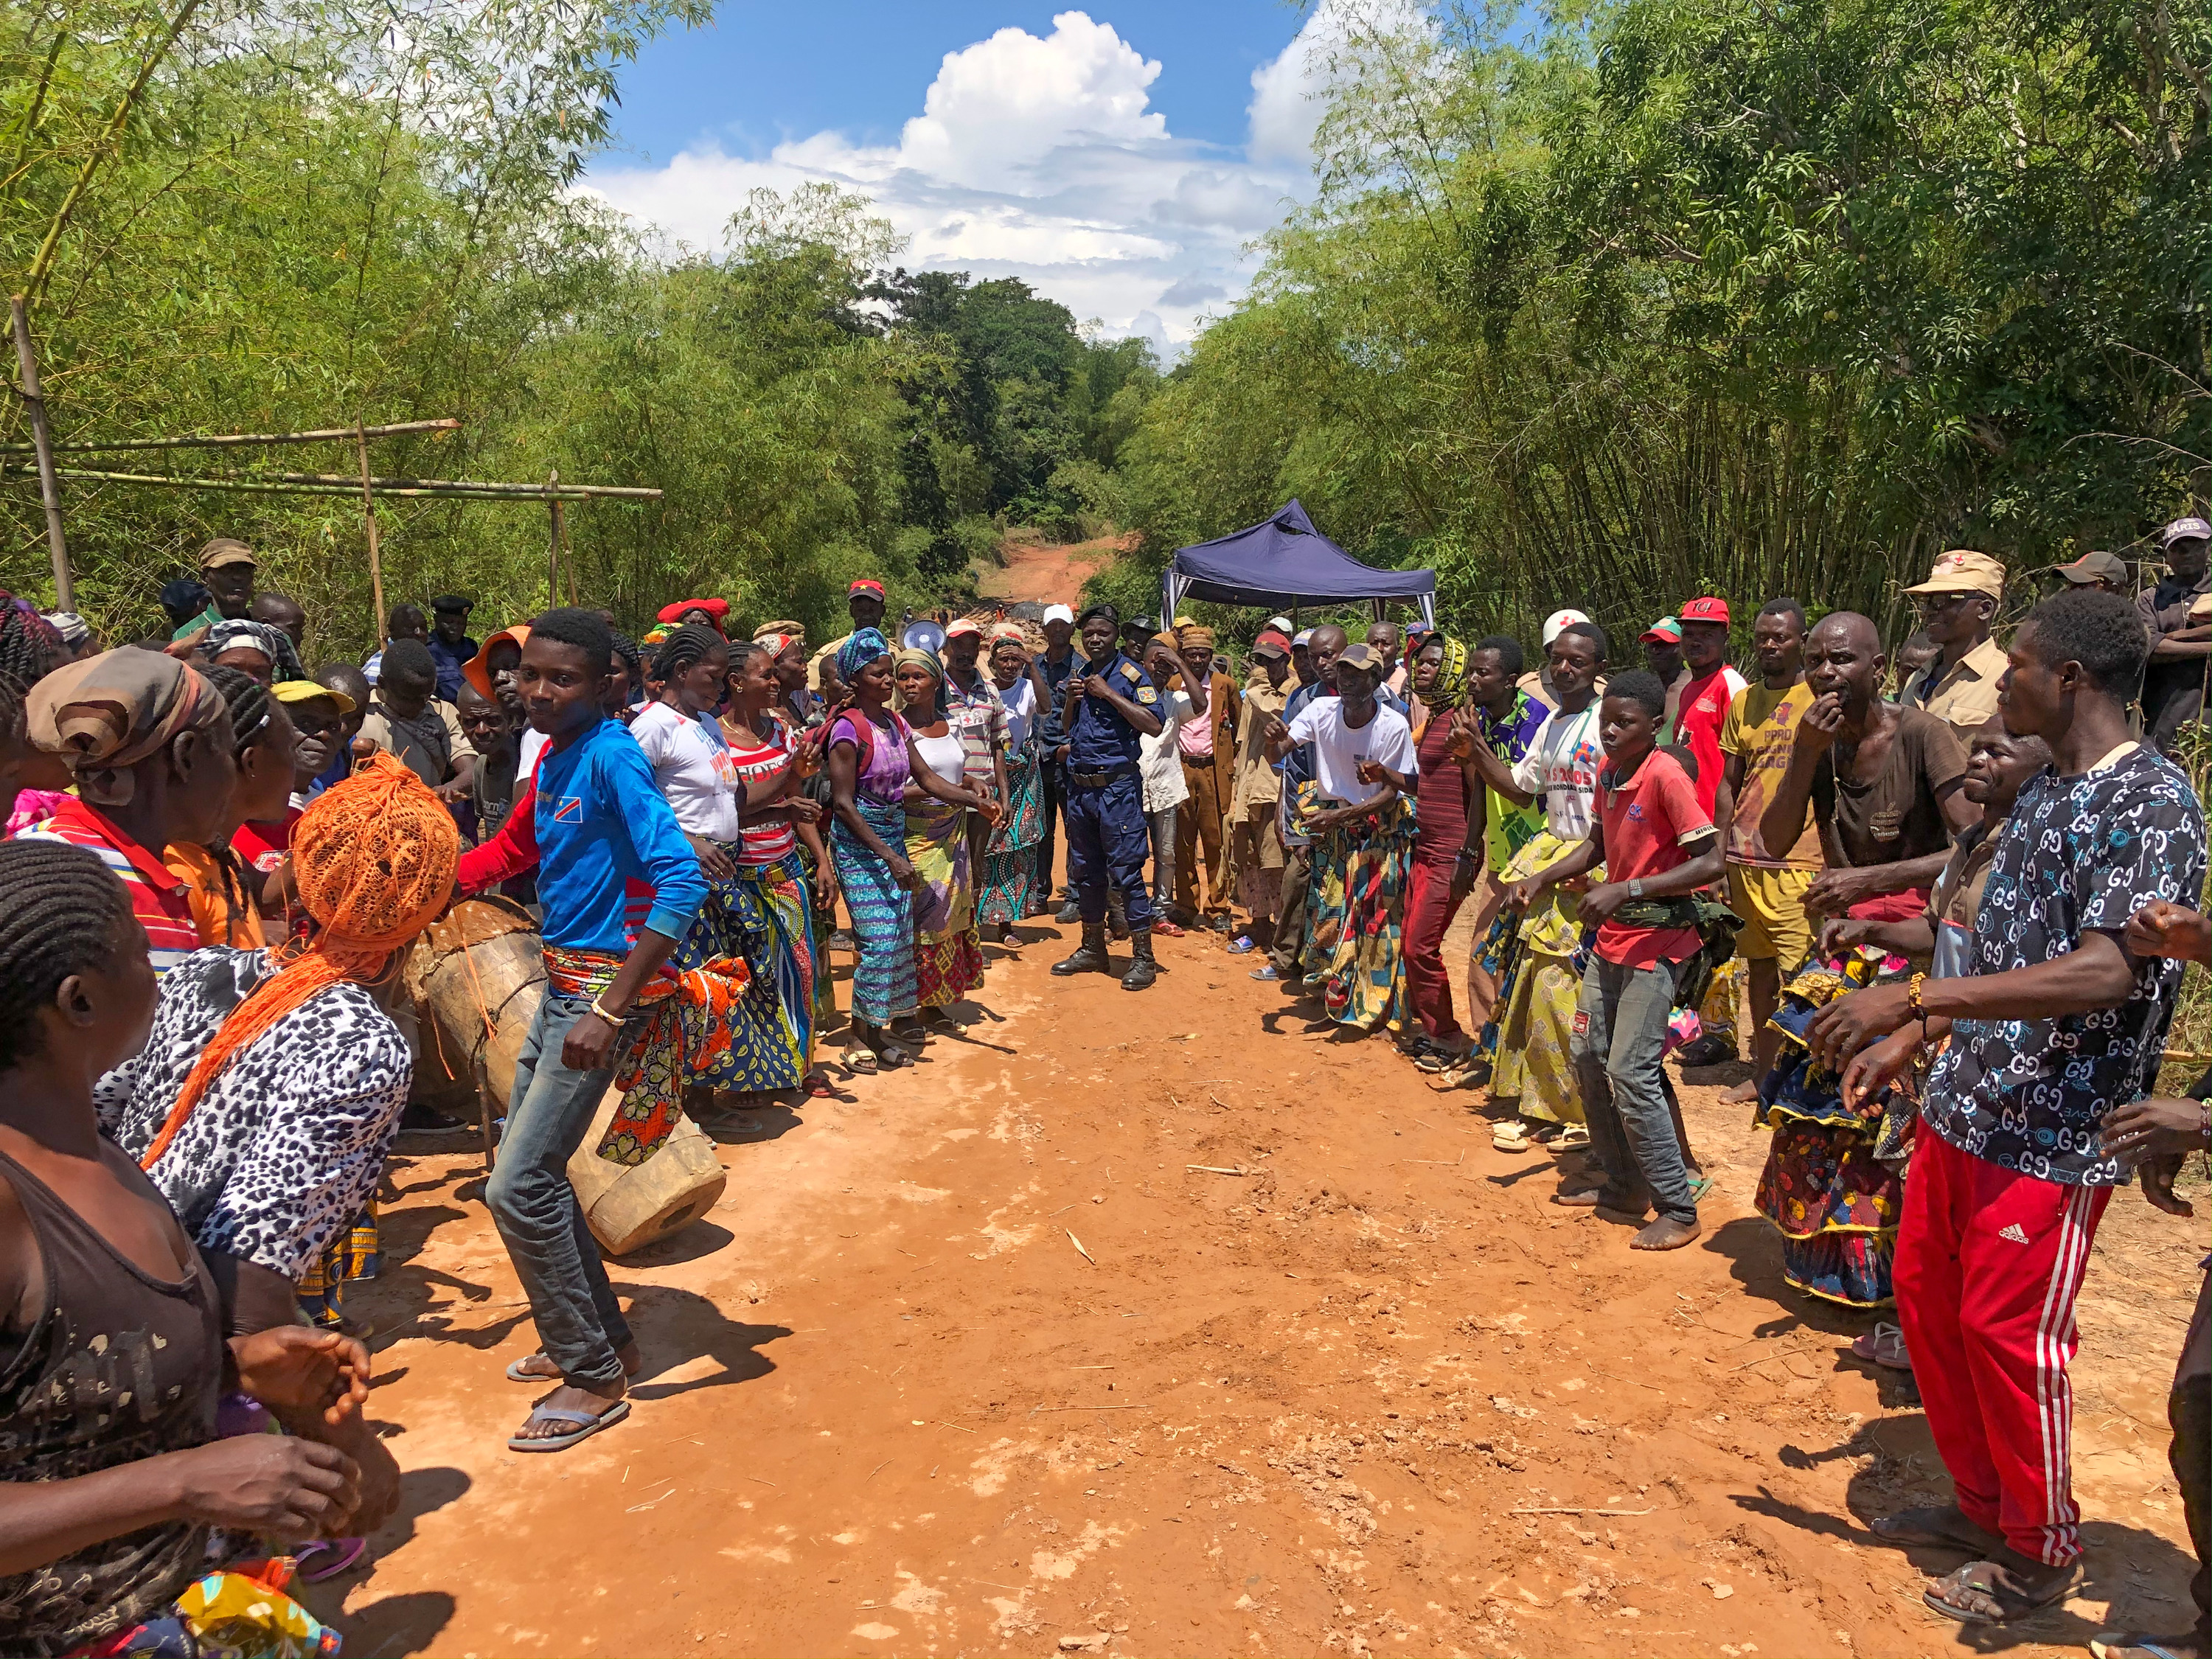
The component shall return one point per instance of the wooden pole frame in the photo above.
(50, 494)
(341, 484)
(234, 439)
(368, 518)
(553, 546)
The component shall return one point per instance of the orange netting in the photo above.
(373, 858)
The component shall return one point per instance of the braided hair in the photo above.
(632, 658)
(250, 705)
(687, 645)
(30, 647)
(61, 918)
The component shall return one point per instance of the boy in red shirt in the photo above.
(1658, 846)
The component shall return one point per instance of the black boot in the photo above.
(1118, 913)
(1071, 911)
(1090, 957)
(1146, 970)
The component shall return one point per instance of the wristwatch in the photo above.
(1636, 888)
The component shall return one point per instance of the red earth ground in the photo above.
(1167, 1324)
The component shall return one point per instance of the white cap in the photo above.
(1059, 613)
(1280, 624)
(1555, 623)
(1304, 636)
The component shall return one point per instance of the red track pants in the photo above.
(1989, 1264)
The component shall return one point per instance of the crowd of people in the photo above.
(1960, 878)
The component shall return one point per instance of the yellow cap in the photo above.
(1962, 570)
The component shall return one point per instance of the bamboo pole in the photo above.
(49, 494)
(234, 439)
(342, 485)
(553, 547)
(369, 516)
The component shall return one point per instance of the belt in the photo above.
(1100, 780)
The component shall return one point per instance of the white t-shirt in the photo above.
(1159, 759)
(533, 745)
(692, 765)
(1020, 699)
(946, 756)
(1338, 749)
(1562, 765)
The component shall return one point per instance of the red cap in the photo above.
(1706, 610)
(865, 585)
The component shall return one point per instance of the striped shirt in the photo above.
(160, 898)
(764, 840)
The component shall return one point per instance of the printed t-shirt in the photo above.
(1647, 821)
(1339, 748)
(1560, 769)
(264, 846)
(1506, 828)
(1894, 817)
(2077, 855)
(691, 765)
(764, 840)
(1698, 722)
(1762, 730)
(160, 897)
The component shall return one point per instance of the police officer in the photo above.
(1107, 704)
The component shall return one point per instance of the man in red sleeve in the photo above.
(1702, 707)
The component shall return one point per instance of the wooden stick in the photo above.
(42, 440)
(312, 483)
(1213, 1168)
(1578, 1511)
(1077, 1243)
(369, 516)
(553, 549)
(232, 440)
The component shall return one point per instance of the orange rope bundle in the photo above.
(373, 859)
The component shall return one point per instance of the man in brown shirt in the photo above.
(2173, 684)
(1958, 603)
(1882, 782)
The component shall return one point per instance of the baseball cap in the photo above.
(1665, 631)
(2184, 530)
(1962, 570)
(1057, 613)
(2093, 568)
(965, 625)
(1304, 636)
(1271, 643)
(1281, 625)
(1361, 655)
(1558, 622)
(1706, 609)
(865, 585)
(223, 550)
(308, 691)
(1148, 625)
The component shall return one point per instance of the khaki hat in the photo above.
(223, 550)
(1362, 656)
(1962, 570)
(2093, 567)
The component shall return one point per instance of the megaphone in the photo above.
(923, 636)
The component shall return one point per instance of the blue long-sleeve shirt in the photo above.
(602, 822)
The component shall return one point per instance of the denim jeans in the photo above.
(1620, 1029)
(580, 1322)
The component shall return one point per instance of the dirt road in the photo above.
(1161, 1324)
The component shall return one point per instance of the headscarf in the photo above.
(1010, 630)
(1451, 689)
(718, 611)
(927, 660)
(270, 642)
(373, 857)
(107, 714)
(1195, 638)
(74, 629)
(779, 636)
(862, 647)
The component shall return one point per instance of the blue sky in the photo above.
(1121, 157)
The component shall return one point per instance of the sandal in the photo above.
(1510, 1136)
(588, 1424)
(1237, 947)
(345, 1554)
(1883, 1345)
(1166, 929)
(817, 1086)
(2136, 1644)
(861, 1061)
(893, 1056)
(2013, 1598)
(1573, 1135)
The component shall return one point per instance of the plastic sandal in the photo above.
(862, 1060)
(1510, 1136)
(345, 1552)
(817, 1086)
(588, 1424)
(1237, 947)
(893, 1057)
(1884, 1345)
(1575, 1134)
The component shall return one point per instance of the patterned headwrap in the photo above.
(1009, 630)
(1450, 688)
(927, 659)
(270, 642)
(1174, 646)
(107, 714)
(865, 645)
(777, 637)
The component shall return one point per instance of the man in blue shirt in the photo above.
(450, 644)
(601, 827)
(1060, 660)
(1106, 705)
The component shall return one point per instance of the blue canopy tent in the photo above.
(1286, 562)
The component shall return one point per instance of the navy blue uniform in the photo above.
(1106, 837)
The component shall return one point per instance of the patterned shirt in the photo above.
(1507, 828)
(979, 719)
(2078, 854)
(286, 1145)
(160, 897)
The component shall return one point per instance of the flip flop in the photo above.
(346, 1553)
(1884, 1345)
(516, 1374)
(1510, 1136)
(817, 1086)
(2015, 1602)
(2135, 1644)
(588, 1424)
(1699, 1185)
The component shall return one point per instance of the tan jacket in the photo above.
(1965, 696)
(1224, 703)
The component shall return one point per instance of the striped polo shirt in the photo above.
(160, 898)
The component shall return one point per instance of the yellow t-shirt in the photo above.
(1762, 727)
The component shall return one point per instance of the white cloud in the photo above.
(1041, 159)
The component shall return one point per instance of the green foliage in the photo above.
(1721, 296)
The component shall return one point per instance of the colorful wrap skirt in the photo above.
(1539, 957)
(1009, 881)
(353, 1255)
(882, 913)
(1355, 914)
(948, 949)
(770, 916)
